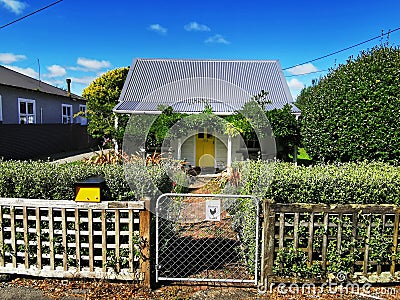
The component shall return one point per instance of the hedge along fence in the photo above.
(344, 183)
(42, 180)
(55, 239)
(328, 243)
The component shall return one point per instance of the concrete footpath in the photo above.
(73, 158)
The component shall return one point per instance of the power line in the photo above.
(32, 13)
(345, 49)
(301, 74)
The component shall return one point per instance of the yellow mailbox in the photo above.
(89, 190)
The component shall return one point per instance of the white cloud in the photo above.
(303, 69)
(92, 64)
(86, 80)
(194, 26)
(8, 58)
(56, 71)
(295, 84)
(217, 39)
(158, 28)
(14, 6)
(26, 71)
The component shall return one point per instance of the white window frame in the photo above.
(66, 117)
(26, 115)
(82, 119)
(1, 110)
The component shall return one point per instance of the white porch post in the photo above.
(116, 128)
(229, 154)
(179, 153)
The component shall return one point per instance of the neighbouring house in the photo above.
(188, 85)
(38, 119)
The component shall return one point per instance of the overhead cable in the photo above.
(342, 50)
(30, 14)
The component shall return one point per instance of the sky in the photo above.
(82, 40)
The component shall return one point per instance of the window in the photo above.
(82, 118)
(67, 114)
(26, 111)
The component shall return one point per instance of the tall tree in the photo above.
(102, 95)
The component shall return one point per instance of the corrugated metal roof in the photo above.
(15, 79)
(187, 85)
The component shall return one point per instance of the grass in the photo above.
(302, 154)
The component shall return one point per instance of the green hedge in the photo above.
(342, 183)
(42, 180)
(352, 113)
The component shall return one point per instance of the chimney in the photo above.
(68, 80)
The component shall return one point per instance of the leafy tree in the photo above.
(102, 95)
(285, 127)
(286, 131)
(302, 98)
(353, 112)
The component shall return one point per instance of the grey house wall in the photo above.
(48, 106)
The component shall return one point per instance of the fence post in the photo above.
(268, 249)
(145, 234)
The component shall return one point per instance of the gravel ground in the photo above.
(10, 292)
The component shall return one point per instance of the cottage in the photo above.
(188, 85)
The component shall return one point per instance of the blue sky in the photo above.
(83, 39)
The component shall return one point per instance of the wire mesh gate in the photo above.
(207, 237)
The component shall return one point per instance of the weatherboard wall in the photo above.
(48, 106)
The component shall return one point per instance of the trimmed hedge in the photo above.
(340, 183)
(42, 180)
(352, 114)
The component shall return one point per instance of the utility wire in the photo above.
(301, 74)
(32, 13)
(345, 49)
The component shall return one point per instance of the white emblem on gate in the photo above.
(213, 210)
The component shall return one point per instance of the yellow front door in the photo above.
(205, 150)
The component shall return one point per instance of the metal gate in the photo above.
(207, 237)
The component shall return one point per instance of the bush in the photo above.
(339, 183)
(352, 114)
(42, 180)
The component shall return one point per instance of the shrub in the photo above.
(339, 183)
(352, 113)
(42, 180)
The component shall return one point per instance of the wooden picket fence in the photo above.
(68, 239)
(315, 228)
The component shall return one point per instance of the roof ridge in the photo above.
(39, 83)
(205, 60)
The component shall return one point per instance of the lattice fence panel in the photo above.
(68, 239)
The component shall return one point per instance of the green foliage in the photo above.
(286, 131)
(42, 180)
(102, 95)
(285, 127)
(340, 183)
(293, 262)
(361, 183)
(352, 113)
